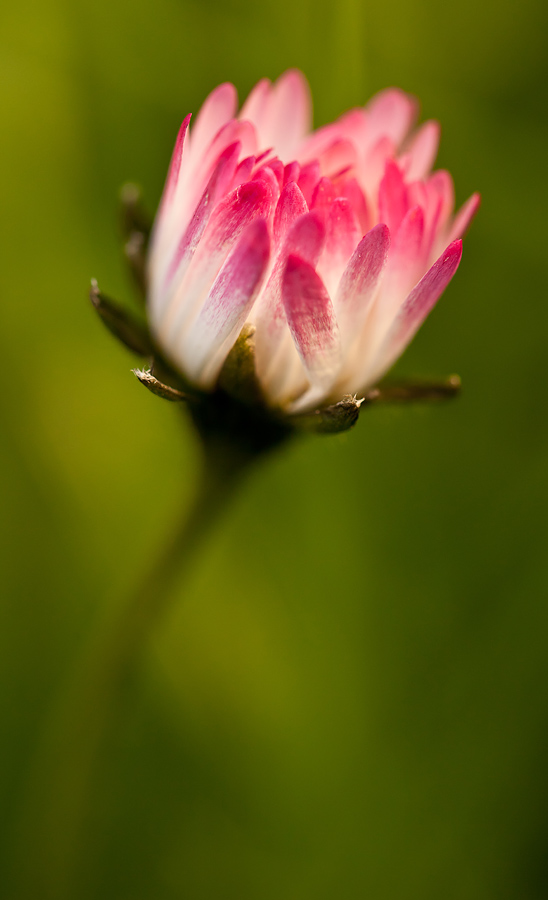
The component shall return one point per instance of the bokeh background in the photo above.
(348, 697)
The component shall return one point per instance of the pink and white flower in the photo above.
(334, 245)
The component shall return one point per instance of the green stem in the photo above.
(60, 787)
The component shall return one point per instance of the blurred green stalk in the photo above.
(52, 833)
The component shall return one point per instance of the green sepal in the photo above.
(238, 377)
(414, 391)
(124, 326)
(164, 373)
(136, 226)
(331, 419)
(165, 391)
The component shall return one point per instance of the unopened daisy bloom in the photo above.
(331, 246)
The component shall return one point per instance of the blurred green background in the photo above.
(349, 697)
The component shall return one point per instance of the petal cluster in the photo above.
(333, 245)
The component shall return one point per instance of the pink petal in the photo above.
(422, 150)
(305, 238)
(354, 126)
(392, 196)
(416, 194)
(228, 304)
(278, 168)
(340, 154)
(175, 239)
(343, 230)
(292, 172)
(432, 206)
(324, 194)
(464, 217)
(228, 220)
(168, 217)
(405, 261)
(216, 111)
(289, 114)
(290, 206)
(372, 168)
(243, 172)
(441, 183)
(266, 175)
(232, 131)
(264, 155)
(359, 281)
(311, 320)
(175, 164)
(252, 200)
(255, 107)
(219, 182)
(318, 142)
(353, 192)
(199, 170)
(418, 304)
(342, 236)
(308, 179)
(391, 113)
(407, 241)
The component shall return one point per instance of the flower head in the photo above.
(329, 247)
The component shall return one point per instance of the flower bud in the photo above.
(330, 247)
(288, 269)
